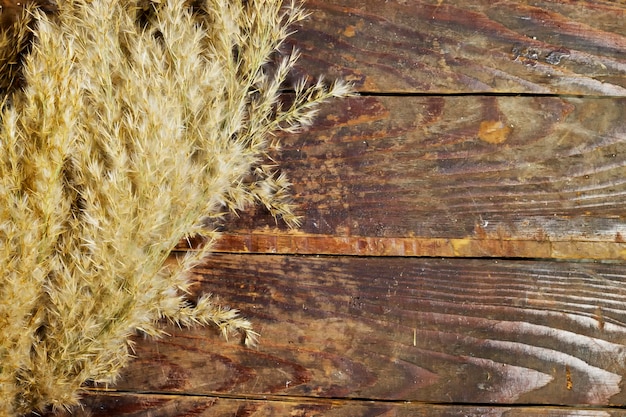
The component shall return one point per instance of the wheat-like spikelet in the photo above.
(136, 121)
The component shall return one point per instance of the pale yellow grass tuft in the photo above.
(136, 122)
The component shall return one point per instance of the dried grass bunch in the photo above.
(133, 122)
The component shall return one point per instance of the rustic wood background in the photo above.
(464, 236)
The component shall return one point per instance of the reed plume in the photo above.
(125, 125)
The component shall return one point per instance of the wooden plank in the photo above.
(403, 329)
(435, 46)
(128, 404)
(541, 177)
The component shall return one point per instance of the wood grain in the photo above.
(540, 177)
(434, 330)
(422, 166)
(136, 405)
(564, 47)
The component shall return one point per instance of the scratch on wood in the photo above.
(600, 317)
(568, 378)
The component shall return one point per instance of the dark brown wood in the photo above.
(396, 178)
(434, 330)
(117, 404)
(564, 47)
(540, 177)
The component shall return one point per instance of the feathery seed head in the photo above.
(125, 124)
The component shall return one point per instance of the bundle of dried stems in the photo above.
(126, 124)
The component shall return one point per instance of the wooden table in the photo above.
(463, 240)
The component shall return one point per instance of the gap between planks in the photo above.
(312, 406)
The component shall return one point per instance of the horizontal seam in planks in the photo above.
(468, 258)
(340, 400)
(392, 93)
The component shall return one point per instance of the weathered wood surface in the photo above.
(125, 404)
(540, 177)
(395, 329)
(439, 46)
(450, 173)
